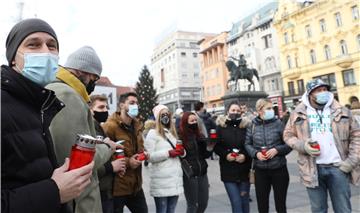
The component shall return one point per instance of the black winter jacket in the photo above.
(270, 134)
(196, 154)
(232, 136)
(27, 152)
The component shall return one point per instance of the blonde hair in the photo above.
(261, 103)
(160, 127)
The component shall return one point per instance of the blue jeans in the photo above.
(335, 181)
(166, 204)
(239, 196)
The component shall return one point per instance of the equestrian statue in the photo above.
(241, 72)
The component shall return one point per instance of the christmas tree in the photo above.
(146, 94)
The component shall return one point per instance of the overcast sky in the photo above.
(124, 33)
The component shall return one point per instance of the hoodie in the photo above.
(321, 131)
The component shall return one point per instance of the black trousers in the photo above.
(196, 190)
(135, 203)
(278, 179)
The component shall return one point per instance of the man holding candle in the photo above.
(73, 85)
(30, 179)
(327, 138)
(123, 125)
(99, 109)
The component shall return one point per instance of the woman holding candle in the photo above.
(265, 144)
(165, 171)
(196, 186)
(234, 160)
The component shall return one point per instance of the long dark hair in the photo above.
(185, 131)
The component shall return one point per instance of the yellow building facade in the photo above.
(319, 40)
(214, 74)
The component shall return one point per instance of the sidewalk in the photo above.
(297, 200)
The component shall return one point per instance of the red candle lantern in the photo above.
(82, 152)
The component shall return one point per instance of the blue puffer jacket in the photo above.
(266, 133)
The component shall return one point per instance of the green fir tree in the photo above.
(146, 92)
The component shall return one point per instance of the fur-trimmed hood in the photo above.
(221, 121)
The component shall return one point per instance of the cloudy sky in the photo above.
(124, 33)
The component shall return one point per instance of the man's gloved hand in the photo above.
(345, 166)
(310, 150)
(173, 153)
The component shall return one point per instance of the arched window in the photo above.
(327, 52)
(288, 58)
(343, 47)
(312, 56)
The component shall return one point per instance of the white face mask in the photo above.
(41, 68)
(133, 110)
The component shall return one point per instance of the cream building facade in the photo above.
(319, 40)
(175, 67)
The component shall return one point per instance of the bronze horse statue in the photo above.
(241, 72)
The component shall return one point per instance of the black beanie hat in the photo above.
(21, 30)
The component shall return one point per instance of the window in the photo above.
(358, 41)
(195, 55)
(349, 77)
(267, 41)
(327, 52)
(291, 88)
(301, 88)
(193, 44)
(312, 57)
(286, 38)
(288, 58)
(322, 25)
(338, 19)
(183, 54)
(355, 12)
(329, 79)
(308, 31)
(296, 61)
(162, 77)
(343, 47)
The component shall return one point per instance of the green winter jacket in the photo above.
(75, 119)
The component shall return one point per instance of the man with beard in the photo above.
(74, 82)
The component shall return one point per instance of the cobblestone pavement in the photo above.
(297, 200)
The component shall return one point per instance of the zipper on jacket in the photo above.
(45, 107)
(266, 163)
(198, 155)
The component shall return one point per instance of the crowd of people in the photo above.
(45, 106)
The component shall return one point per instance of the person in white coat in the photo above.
(166, 175)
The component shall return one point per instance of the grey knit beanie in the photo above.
(85, 59)
(21, 30)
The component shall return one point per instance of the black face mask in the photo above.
(165, 120)
(234, 116)
(193, 126)
(90, 86)
(101, 116)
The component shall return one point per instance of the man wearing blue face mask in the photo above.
(123, 125)
(74, 82)
(327, 138)
(30, 178)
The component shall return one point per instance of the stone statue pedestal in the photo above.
(247, 97)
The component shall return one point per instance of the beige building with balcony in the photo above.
(319, 40)
(213, 72)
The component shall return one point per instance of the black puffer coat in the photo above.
(231, 136)
(270, 134)
(27, 152)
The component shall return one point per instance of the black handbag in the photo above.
(185, 165)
